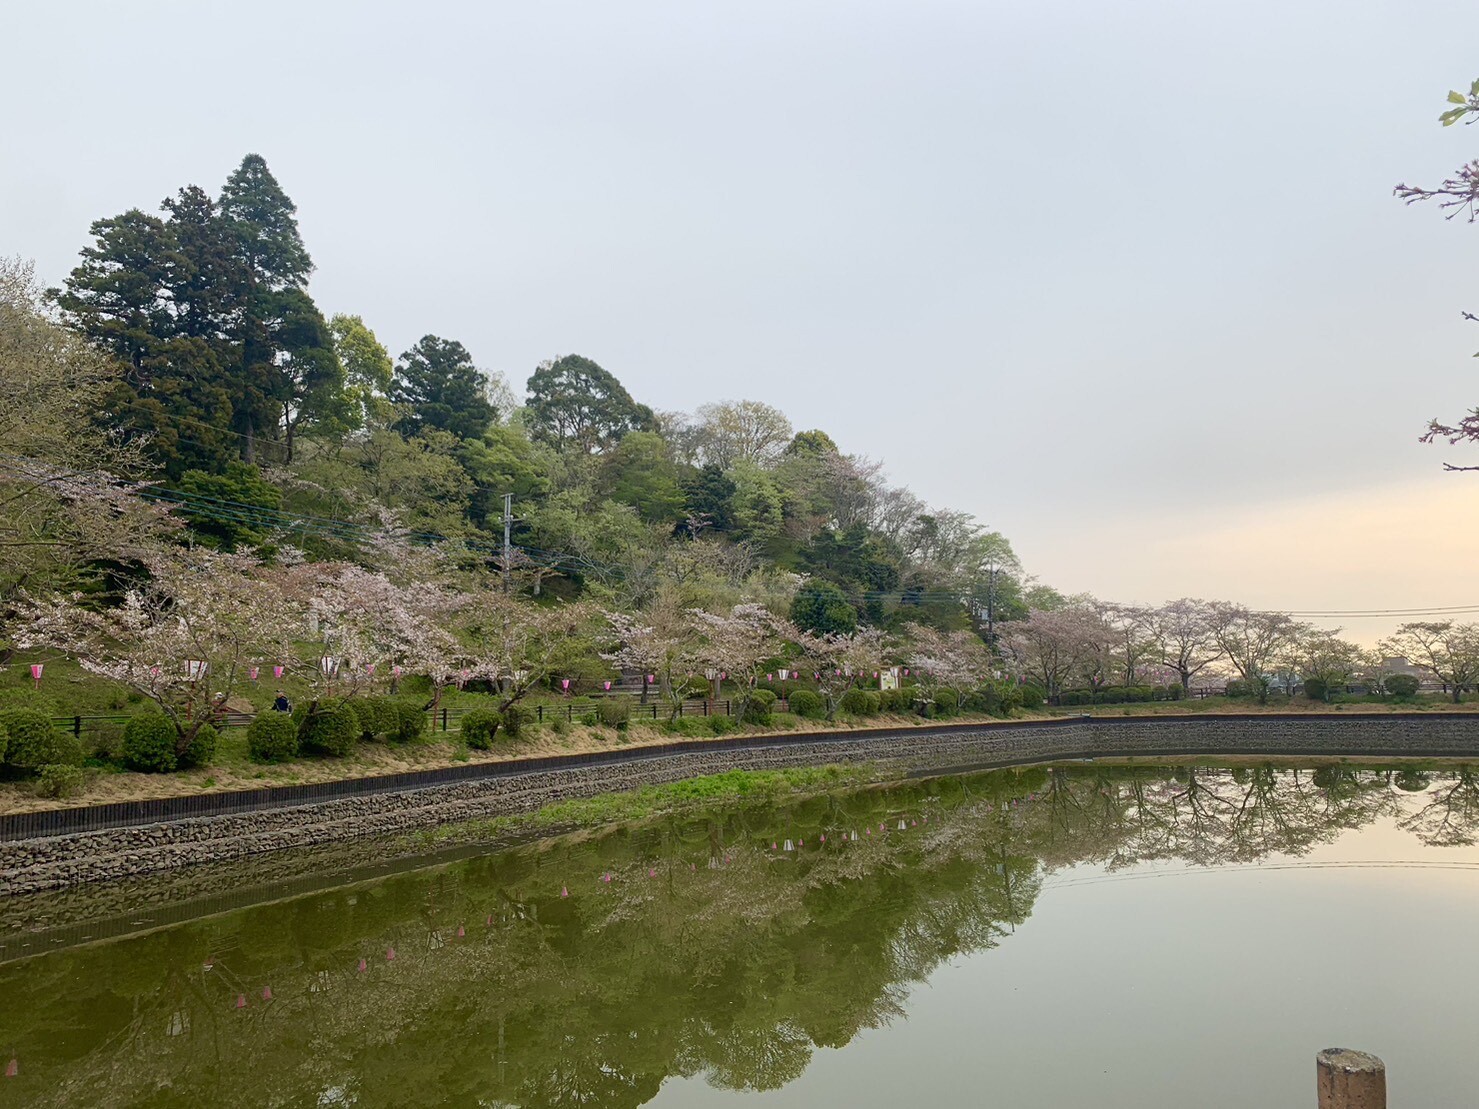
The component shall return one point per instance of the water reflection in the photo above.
(716, 948)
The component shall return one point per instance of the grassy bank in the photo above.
(712, 791)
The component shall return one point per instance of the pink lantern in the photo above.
(277, 671)
(36, 668)
(724, 675)
(606, 686)
(906, 671)
(770, 677)
(651, 678)
(154, 671)
(837, 673)
(252, 673)
(565, 684)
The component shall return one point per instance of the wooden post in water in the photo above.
(1350, 1079)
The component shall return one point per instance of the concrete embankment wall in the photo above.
(46, 862)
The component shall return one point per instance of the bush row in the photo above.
(1121, 695)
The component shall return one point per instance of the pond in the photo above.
(1084, 935)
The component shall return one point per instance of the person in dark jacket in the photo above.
(282, 704)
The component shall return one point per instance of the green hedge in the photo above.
(332, 730)
(859, 702)
(272, 737)
(31, 742)
(1402, 686)
(805, 703)
(479, 726)
(759, 707)
(149, 744)
(515, 718)
(614, 712)
(201, 749)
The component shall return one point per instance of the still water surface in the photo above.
(1075, 936)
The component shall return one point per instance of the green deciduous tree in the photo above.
(575, 405)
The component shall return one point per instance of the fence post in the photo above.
(540, 710)
(444, 719)
(77, 726)
(706, 706)
(1350, 1079)
(570, 713)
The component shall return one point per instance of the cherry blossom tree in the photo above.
(520, 643)
(1253, 641)
(1054, 646)
(1448, 651)
(1184, 638)
(357, 627)
(838, 659)
(742, 642)
(954, 658)
(184, 637)
(664, 640)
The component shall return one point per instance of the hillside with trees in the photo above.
(209, 489)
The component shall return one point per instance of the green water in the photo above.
(1080, 936)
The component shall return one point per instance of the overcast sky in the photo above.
(1125, 279)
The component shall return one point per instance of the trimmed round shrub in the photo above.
(411, 721)
(614, 712)
(479, 726)
(723, 725)
(272, 737)
(329, 731)
(1032, 696)
(806, 703)
(855, 702)
(1237, 689)
(1159, 693)
(759, 707)
(515, 719)
(1316, 689)
(947, 701)
(377, 716)
(1401, 686)
(202, 748)
(891, 700)
(59, 781)
(1071, 697)
(1174, 692)
(149, 744)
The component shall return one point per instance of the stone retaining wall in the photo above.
(38, 864)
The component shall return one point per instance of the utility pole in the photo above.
(991, 606)
(508, 520)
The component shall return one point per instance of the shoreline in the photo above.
(148, 846)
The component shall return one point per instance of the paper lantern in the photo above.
(36, 668)
(253, 672)
(565, 683)
(195, 669)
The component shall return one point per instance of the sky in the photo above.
(1123, 278)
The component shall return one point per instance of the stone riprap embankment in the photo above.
(48, 862)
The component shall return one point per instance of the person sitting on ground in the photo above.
(282, 704)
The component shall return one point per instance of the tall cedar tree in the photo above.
(437, 386)
(208, 312)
